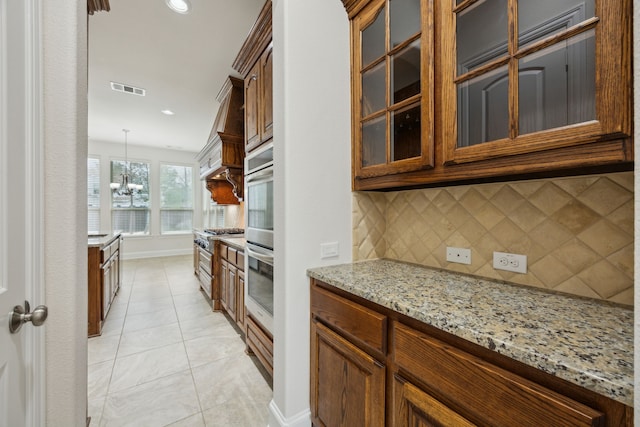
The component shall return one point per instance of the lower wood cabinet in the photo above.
(348, 385)
(259, 342)
(231, 280)
(104, 279)
(372, 366)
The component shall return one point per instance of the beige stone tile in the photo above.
(550, 235)
(624, 179)
(605, 238)
(604, 196)
(623, 217)
(605, 279)
(458, 216)
(458, 191)
(575, 286)
(623, 260)
(140, 368)
(506, 233)
(444, 201)
(575, 216)
(549, 198)
(575, 185)
(473, 200)
(527, 216)
(195, 420)
(550, 271)
(625, 297)
(488, 190)
(488, 216)
(156, 403)
(576, 256)
(527, 188)
(507, 200)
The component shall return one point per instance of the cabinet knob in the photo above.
(254, 77)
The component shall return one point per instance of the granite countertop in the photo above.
(101, 240)
(584, 341)
(238, 243)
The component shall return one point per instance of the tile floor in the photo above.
(166, 359)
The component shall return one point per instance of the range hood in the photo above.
(222, 158)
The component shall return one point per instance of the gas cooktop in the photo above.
(223, 231)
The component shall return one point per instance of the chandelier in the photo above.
(124, 187)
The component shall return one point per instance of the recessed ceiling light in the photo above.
(180, 6)
(167, 112)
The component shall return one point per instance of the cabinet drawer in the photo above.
(232, 255)
(355, 321)
(205, 258)
(240, 263)
(260, 343)
(223, 251)
(485, 393)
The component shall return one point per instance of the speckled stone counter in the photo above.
(238, 243)
(101, 240)
(584, 341)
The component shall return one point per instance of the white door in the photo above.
(21, 352)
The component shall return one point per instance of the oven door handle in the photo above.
(260, 176)
(260, 257)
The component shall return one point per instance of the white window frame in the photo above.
(147, 209)
(193, 195)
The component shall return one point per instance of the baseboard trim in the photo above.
(276, 419)
(156, 254)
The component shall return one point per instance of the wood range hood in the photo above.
(222, 159)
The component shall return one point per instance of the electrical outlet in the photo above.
(510, 262)
(329, 250)
(459, 255)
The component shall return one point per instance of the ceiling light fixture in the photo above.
(167, 112)
(180, 6)
(125, 188)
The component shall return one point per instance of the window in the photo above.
(176, 199)
(93, 195)
(130, 214)
(212, 213)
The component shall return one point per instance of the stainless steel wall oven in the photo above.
(259, 235)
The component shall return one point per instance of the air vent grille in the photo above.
(120, 87)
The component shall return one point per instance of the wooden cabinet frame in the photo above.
(598, 146)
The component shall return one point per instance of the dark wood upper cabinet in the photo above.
(469, 90)
(255, 63)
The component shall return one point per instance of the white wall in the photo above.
(154, 244)
(64, 83)
(312, 179)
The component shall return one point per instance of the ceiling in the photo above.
(181, 61)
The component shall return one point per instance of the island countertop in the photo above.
(584, 341)
(101, 240)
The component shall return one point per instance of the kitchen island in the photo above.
(568, 341)
(104, 277)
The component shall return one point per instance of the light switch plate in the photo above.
(510, 262)
(329, 250)
(459, 255)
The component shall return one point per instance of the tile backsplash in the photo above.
(577, 232)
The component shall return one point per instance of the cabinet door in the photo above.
(415, 408)
(251, 108)
(524, 77)
(392, 97)
(224, 284)
(240, 309)
(106, 289)
(266, 91)
(231, 291)
(347, 384)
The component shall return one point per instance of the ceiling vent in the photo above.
(119, 87)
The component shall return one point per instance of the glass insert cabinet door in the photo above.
(528, 75)
(393, 90)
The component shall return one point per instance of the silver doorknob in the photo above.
(21, 315)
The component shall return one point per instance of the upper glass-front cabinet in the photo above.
(453, 91)
(393, 88)
(530, 75)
